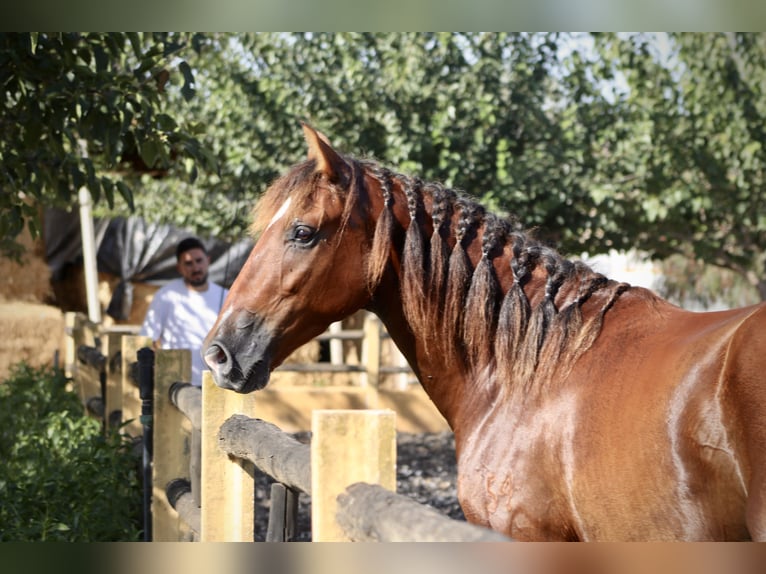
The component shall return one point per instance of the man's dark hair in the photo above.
(187, 244)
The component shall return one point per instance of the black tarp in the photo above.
(135, 251)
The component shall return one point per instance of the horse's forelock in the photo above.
(298, 185)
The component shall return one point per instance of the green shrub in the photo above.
(61, 477)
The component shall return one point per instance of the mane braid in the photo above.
(415, 261)
(513, 319)
(381, 243)
(459, 274)
(442, 201)
(480, 319)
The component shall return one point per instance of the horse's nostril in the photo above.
(216, 354)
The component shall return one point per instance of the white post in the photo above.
(89, 254)
(336, 345)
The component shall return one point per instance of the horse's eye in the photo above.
(303, 234)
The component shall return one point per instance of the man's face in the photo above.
(193, 265)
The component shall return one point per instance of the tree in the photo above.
(630, 148)
(480, 112)
(683, 169)
(87, 110)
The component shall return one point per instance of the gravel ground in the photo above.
(425, 471)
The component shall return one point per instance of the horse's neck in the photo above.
(511, 338)
(443, 381)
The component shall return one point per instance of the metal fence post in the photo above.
(146, 391)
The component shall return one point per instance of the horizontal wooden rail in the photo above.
(320, 368)
(344, 335)
(269, 449)
(91, 356)
(181, 499)
(371, 513)
(330, 368)
(188, 399)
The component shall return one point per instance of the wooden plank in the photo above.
(180, 497)
(89, 387)
(277, 454)
(348, 446)
(131, 399)
(171, 444)
(228, 484)
(371, 351)
(319, 368)
(112, 349)
(370, 513)
(283, 512)
(70, 344)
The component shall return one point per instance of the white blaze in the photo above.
(280, 213)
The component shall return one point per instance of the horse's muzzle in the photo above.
(240, 357)
(234, 374)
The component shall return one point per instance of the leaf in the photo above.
(187, 90)
(102, 60)
(127, 195)
(149, 150)
(135, 42)
(166, 123)
(108, 186)
(94, 185)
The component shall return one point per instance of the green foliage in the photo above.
(600, 142)
(86, 110)
(481, 112)
(684, 170)
(61, 478)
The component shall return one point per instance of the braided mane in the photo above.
(527, 335)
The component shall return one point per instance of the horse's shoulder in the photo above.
(751, 328)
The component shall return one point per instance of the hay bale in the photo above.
(28, 280)
(32, 332)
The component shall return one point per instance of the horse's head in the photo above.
(307, 269)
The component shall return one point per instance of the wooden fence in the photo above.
(202, 446)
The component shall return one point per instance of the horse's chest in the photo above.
(515, 480)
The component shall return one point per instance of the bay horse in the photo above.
(583, 408)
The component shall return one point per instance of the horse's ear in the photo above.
(327, 159)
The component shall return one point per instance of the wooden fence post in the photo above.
(172, 444)
(336, 345)
(112, 348)
(371, 351)
(228, 484)
(131, 400)
(348, 446)
(71, 324)
(87, 376)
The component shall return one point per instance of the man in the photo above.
(183, 311)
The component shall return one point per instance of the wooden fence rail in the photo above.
(206, 447)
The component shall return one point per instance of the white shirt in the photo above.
(181, 318)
